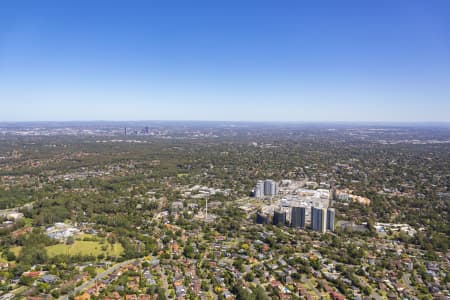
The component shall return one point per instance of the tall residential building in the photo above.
(259, 189)
(266, 188)
(331, 215)
(270, 188)
(279, 218)
(261, 219)
(298, 217)
(324, 220)
(319, 219)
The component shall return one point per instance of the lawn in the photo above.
(85, 248)
(16, 250)
(80, 247)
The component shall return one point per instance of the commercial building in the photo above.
(270, 187)
(279, 218)
(298, 217)
(295, 205)
(266, 188)
(262, 219)
(259, 189)
(331, 215)
(319, 219)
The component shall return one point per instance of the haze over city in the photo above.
(382, 61)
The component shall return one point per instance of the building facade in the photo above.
(298, 217)
(279, 218)
(270, 188)
(261, 219)
(259, 189)
(331, 215)
(266, 188)
(319, 219)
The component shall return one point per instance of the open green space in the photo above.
(85, 248)
(80, 248)
(16, 250)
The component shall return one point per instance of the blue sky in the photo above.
(225, 60)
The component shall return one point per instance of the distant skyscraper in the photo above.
(319, 219)
(298, 217)
(279, 218)
(331, 214)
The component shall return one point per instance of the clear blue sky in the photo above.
(225, 60)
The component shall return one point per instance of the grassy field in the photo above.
(85, 248)
(80, 247)
(16, 250)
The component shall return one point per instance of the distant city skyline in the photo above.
(260, 61)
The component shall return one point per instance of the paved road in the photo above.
(99, 277)
(407, 280)
(310, 285)
(376, 296)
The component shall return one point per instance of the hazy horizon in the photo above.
(149, 122)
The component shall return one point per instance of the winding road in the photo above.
(99, 277)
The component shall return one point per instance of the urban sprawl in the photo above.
(223, 211)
